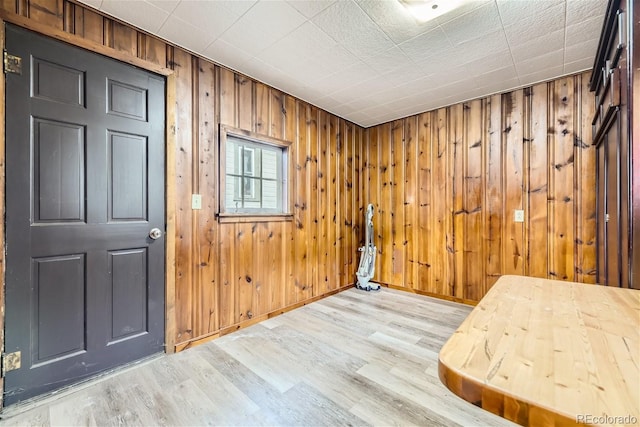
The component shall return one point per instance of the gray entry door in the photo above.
(84, 187)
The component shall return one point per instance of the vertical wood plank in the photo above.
(562, 198)
(47, 12)
(386, 204)
(473, 255)
(227, 275)
(537, 188)
(227, 97)
(125, 39)
(313, 123)
(334, 154)
(291, 271)
(396, 186)
(2, 199)
(493, 192)
(442, 248)
(155, 50)
(455, 240)
(323, 202)
(9, 6)
(374, 191)
(89, 25)
(513, 176)
(244, 102)
(425, 243)
(208, 322)
(261, 106)
(184, 181)
(246, 235)
(346, 182)
(586, 187)
(411, 202)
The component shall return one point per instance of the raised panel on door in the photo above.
(59, 171)
(59, 308)
(128, 297)
(85, 184)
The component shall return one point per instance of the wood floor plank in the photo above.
(354, 358)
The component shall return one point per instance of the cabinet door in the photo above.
(608, 200)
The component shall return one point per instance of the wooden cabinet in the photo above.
(616, 135)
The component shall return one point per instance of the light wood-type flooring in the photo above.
(355, 358)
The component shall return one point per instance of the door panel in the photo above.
(85, 184)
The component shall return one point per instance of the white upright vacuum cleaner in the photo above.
(368, 258)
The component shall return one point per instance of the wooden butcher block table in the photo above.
(544, 352)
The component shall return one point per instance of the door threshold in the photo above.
(50, 397)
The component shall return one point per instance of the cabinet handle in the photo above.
(606, 217)
(621, 34)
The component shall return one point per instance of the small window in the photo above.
(254, 173)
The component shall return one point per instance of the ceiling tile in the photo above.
(581, 10)
(354, 74)
(389, 60)
(579, 65)
(496, 76)
(428, 45)
(166, 5)
(527, 11)
(226, 54)
(367, 60)
(394, 19)
(139, 13)
(184, 34)
(478, 22)
(489, 63)
(541, 75)
(466, 7)
(475, 49)
(93, 3)
(499, 86)
(213, 17)
(353, 29)
(534, 25)
(311, 8)
(586, 49)
(538, 46)
(585, 30)
(262, 25)
(542, 62)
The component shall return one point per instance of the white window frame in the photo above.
(231, 213)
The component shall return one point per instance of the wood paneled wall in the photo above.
(446, 183)
(229, 274)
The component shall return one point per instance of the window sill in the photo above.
(227, 218)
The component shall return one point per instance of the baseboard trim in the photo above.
(429, 294)
(257, 319)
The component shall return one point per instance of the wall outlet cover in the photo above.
(518, 215)
(196, 201)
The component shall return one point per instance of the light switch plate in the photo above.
(518, 215)
(196, 201)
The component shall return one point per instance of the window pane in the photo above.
(232, 150)
(270, 194)
(254, 176)
(232, 200)
(270, 164)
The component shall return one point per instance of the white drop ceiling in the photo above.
(369, 61)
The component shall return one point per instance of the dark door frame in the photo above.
(170, 184)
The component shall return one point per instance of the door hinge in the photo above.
(10, 362)
(12, 64)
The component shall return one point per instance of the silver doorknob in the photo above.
(155, 233)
